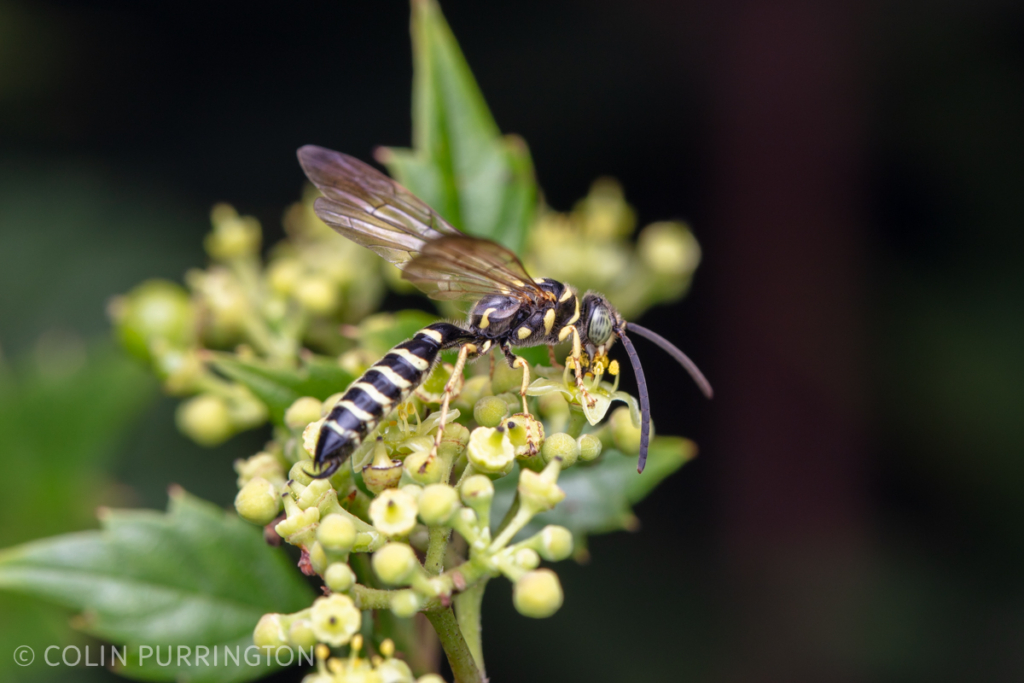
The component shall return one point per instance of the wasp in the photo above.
(508, 309)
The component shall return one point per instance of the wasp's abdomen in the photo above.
(383, 386)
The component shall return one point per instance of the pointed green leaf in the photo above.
(599, 497)
(193, 576)
(279, 387)
(460, 164)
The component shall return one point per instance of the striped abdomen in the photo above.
(373, 396)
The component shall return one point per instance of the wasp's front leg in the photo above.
(576, 362)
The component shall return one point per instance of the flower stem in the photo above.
(455, 648)
(467, 611)
(436, 547)
(577, 420)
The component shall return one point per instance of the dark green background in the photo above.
(854, 171)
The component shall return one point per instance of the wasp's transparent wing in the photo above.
(463, 267)
(373, 210)
(369, 208)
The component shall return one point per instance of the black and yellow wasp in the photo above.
(509, 308)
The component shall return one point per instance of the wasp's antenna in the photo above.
(673, 351)
(645, 399)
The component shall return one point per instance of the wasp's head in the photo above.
(599, 324)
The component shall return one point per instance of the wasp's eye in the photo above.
(599, 326)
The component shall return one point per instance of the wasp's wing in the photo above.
(369, 208)
(464, 267)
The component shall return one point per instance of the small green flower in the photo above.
(206, 419)
(423, 467)
(539, 490)
(554, 543)
(393, 512)
(336, 533)
(303, 411)
(233, 236)
(405, 603)
(270, 631)
(561, 447)
(537, 594)
(300, 634)
(438, 503)
(395, 563)
(489, 411)
(525, 432)
(335, 619)
(383, 473)
(590, 447)
(258, 502)
(339, 577)
(490, 450)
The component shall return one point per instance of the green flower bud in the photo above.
(423, 467)
(310, 435)
(205, 419)
(527, 558)
(438, 503)
(258, 502)
(561, 447)
(300, 634)
(489, 411)
(263, 464)
(181, 370)
(668, 249)
(393, 512)
(302, 412)
(297, 473)
(555, 543)
(625, 435)
(335, 619)
(590, 447)
(525, 432)
(473, 389)
(318, 295)
(270, 631)
(317, 557)
(336, 533)
(477, 492)
(394, 671)
(313, 493)
(395, 564)
(539, 491)
(506, 378)
(233, 236)
(284, 275)
(339, 577)
(298, 525)
(405, 603)
(537, 594)
(453, 440)
(490, 450)
(154, 310)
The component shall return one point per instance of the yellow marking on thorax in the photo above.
(549, 320)
(517, 282)
(565, 295)
(393, 377)
(524, 332)
(576, 315)
(433, 334)
(564, 332)
(411, 358)
(540, 280)
(484, 322)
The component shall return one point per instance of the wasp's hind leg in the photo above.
(449, 388)
(515, 361)
(554, 360)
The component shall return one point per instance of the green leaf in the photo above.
(193, 576)
(279, 387)
(599, 497)
(461, 165)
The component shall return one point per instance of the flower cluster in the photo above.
(403, 527)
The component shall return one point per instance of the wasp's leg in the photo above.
(551, 357)
(577, 365)
(449, 387)
(520, 362)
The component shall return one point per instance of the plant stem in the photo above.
(455, 648)
(577, 420)
(467, 611)
(436, 546)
